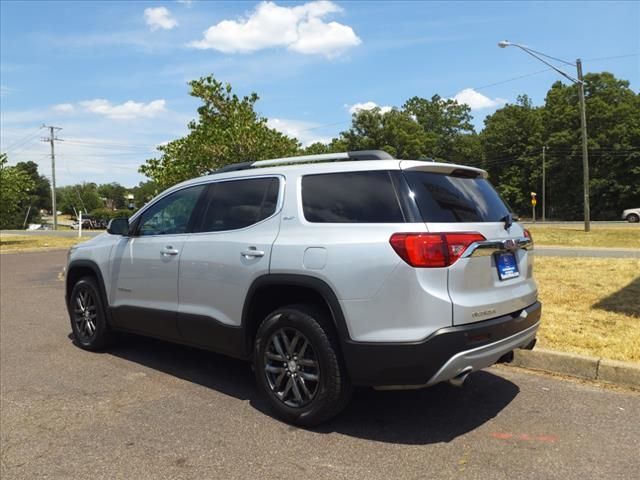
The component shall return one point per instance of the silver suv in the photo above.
(326, 271)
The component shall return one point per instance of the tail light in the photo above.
(431, 250)
(527, 234)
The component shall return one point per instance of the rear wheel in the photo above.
(633, 218)
(298, 367)
(88, 318)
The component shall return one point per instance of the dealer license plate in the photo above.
(507, 265)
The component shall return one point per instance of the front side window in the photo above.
(239, 203)
(171, 214)
(351, 197)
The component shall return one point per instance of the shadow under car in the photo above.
(431, 415)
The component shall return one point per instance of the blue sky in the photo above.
(113, 74)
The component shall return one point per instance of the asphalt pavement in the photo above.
(147, 409)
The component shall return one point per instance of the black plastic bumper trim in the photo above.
(380, 364)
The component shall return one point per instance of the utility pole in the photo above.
(583, 115)
(544, 190)
(52, 138)
(585, 150)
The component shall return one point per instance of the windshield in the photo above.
(449, 198)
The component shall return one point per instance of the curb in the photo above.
(580, 366)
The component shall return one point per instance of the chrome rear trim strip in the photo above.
(489, 247)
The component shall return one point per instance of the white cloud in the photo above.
(159, 17)
(63, 108)
(476, 100)
(356, 107)
(186, 2)
(306, 132)
(300, 29)
(96, 148)
(124, 111)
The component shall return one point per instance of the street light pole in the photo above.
(583, 118)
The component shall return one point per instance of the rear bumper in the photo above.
(443, 355)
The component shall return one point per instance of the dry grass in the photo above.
(591, 306)
(25, 243)
(575, 236)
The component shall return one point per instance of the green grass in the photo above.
(26, 243)
(575, 236)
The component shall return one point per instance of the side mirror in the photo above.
(118, 226)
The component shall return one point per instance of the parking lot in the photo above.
(148, 409)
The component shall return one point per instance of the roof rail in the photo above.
(323, 157)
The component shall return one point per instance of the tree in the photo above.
(16, 187)
(319, 148)
(40, 198)
(467, 149)
(82, 196)
(512, 144)
(394, 132)
(144, 192)
(443, 121)
(113, 194)
(227, 130)
(613, 131)
(41, 193)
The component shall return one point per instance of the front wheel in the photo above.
(88, 319)
(298, 366)
(633, 218)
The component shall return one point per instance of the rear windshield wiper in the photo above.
(508, 221)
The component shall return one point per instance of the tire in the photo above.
(88, 317)
(303, 379)
(633, 218)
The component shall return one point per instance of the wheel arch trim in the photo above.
(93, 266)
(295, 280)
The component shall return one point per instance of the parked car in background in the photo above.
(90, 223)
(631, 215)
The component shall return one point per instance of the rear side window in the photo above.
(239, 203)
(448, 198)
(350, 197)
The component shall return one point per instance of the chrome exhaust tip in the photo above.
(458, 380)
(530, 345)
(506, 358)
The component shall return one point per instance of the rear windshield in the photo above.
(447, 198)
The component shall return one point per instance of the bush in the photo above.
(106, 214)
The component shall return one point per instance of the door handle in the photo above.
(251, 252)
(169, 250)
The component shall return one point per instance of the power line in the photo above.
(552, 58)
(107, 144)
(611, 58)
(23, 141)
(538, 72)
(105, 154)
